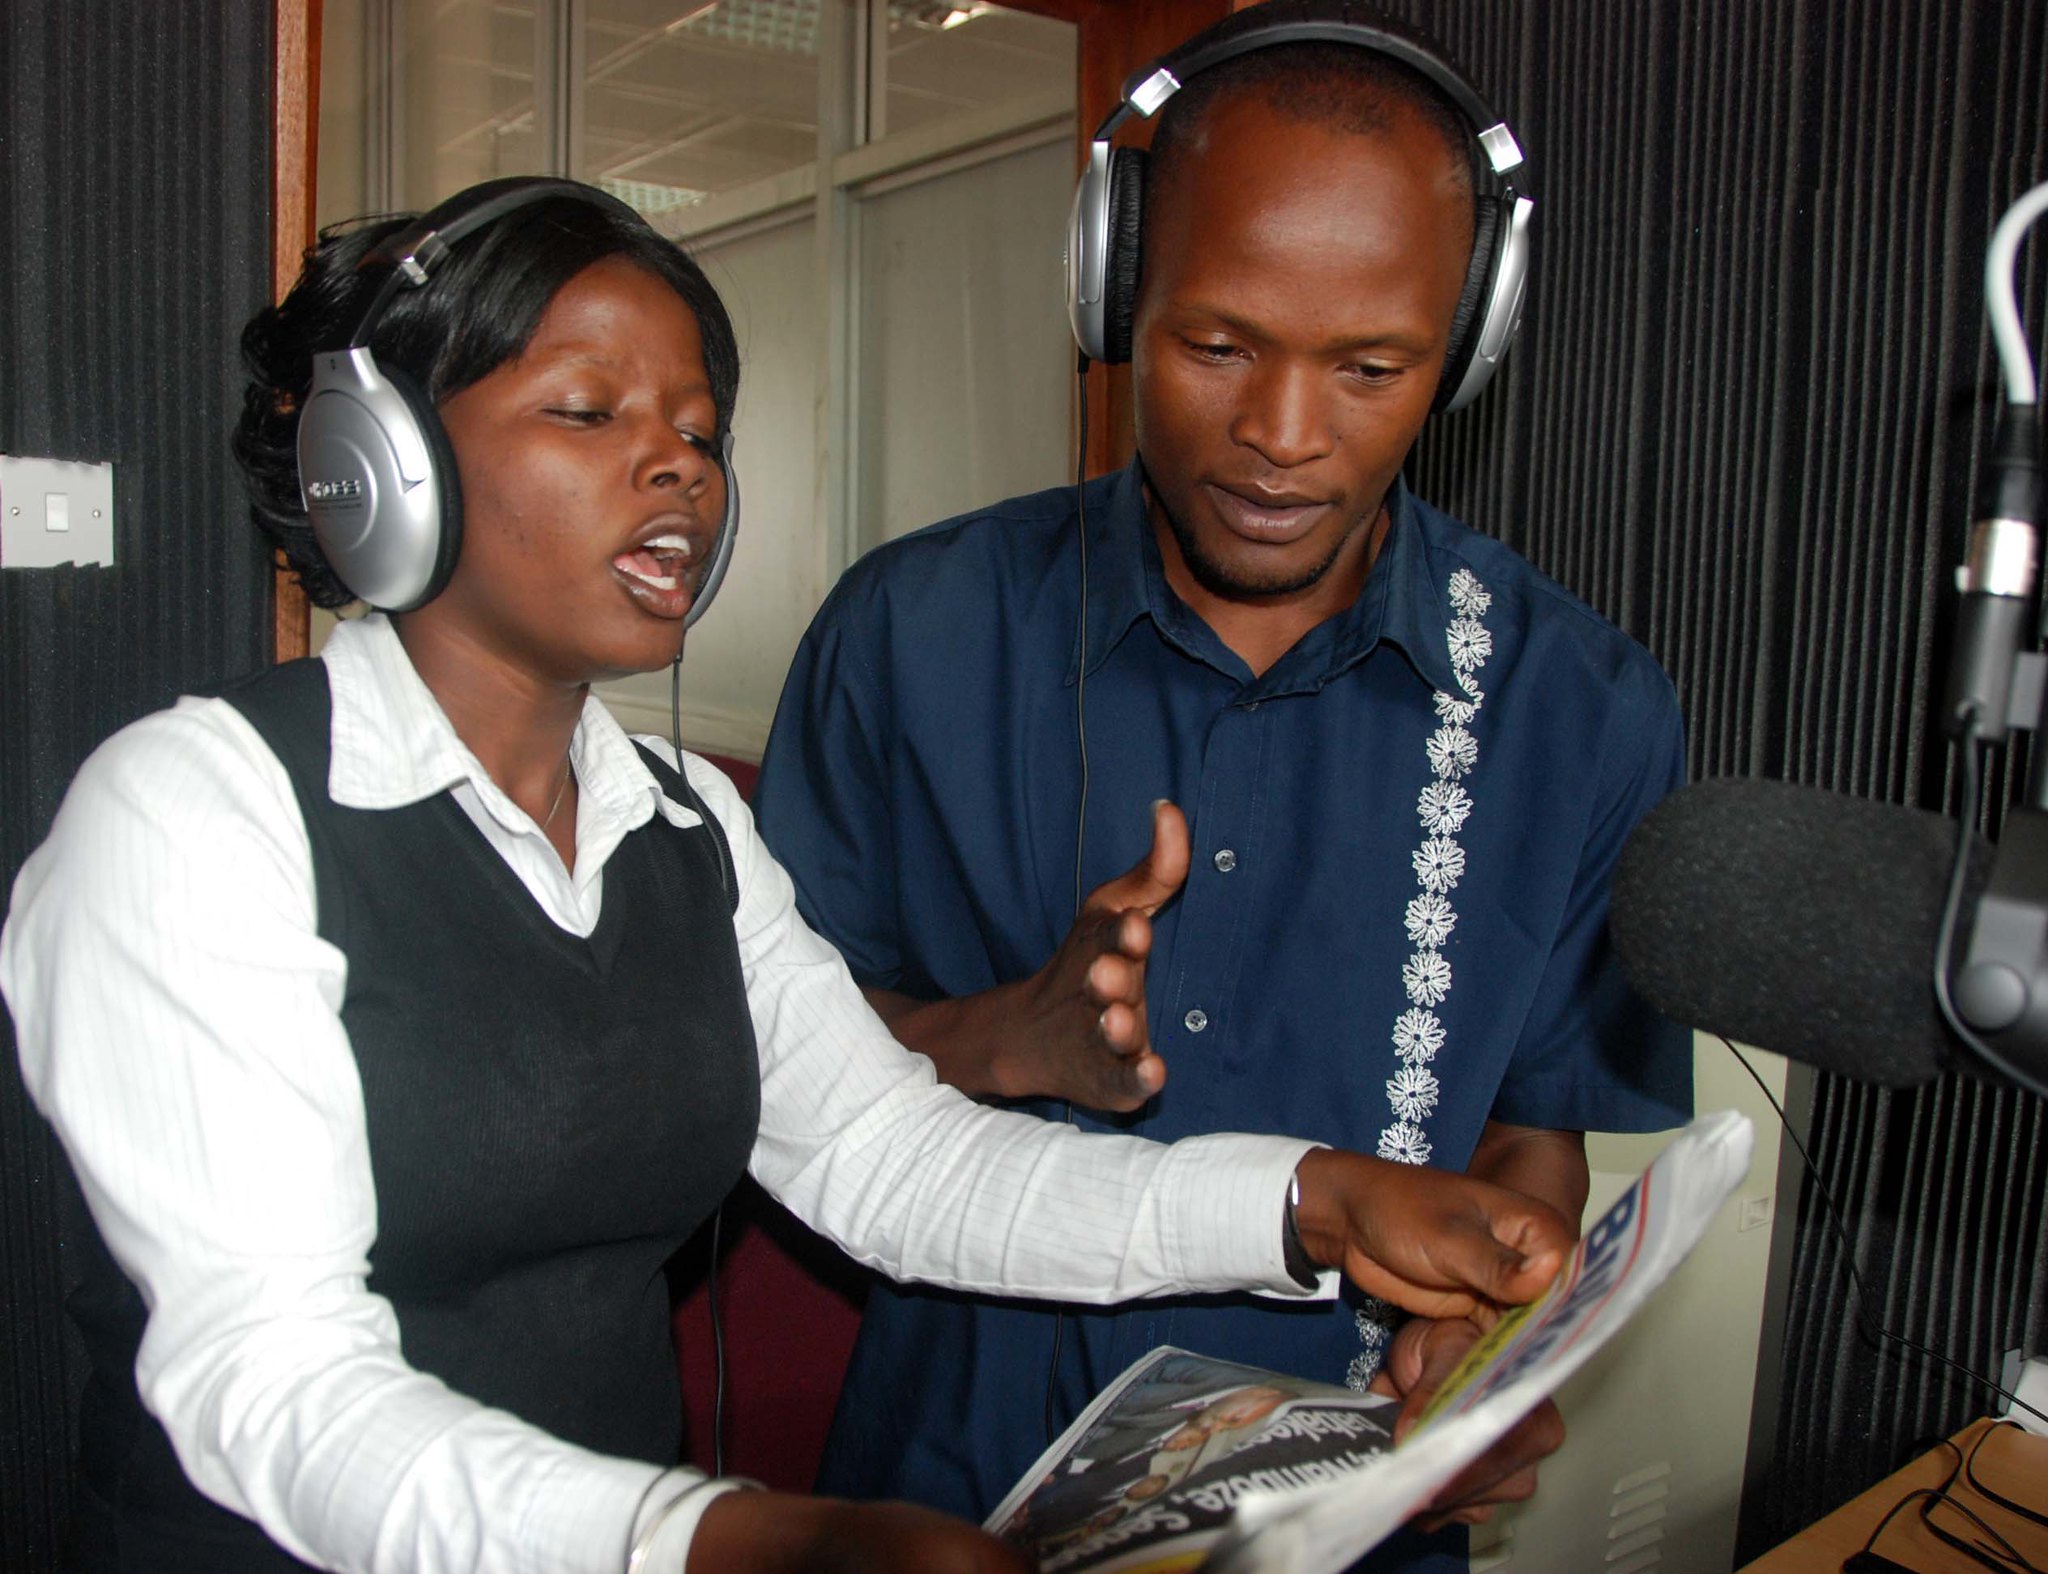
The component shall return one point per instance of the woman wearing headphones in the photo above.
(401, 1016)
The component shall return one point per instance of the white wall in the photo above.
(735, 659)
(966, 363)
(1650, 1477)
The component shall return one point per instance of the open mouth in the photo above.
(659, 574)
(658, 564)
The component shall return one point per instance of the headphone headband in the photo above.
(414, 252)
(1148, 88)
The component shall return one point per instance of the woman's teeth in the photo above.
(654, 562)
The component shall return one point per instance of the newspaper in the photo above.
(1188, 1463)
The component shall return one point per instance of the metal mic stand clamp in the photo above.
(2001, 990)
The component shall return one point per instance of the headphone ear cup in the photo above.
(446, 482)
(1466, 328)
(1125, 252)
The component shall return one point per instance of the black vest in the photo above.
(549, 1119)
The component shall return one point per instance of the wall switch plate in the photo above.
(55, 511)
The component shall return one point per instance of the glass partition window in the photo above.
(940, 59)
(468, 95)
(682, 99)
(665, 102)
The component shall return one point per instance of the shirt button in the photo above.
(1196, 1020)
(1226, 860)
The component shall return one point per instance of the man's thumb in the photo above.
(1149, 883)
(1164, 868)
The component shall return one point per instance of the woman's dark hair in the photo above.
(478, 311)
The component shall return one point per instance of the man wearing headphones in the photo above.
(1346, 780)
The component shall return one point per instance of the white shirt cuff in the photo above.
(672, 1510)
(1224, 1226)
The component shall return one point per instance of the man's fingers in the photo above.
(1122, 1028)
(1506, 1472)
(1149, 883)
(1124, 1081)
(1115, 979)
(1408, 1355)
(1147, 1077)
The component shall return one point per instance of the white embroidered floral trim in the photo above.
(1439, 863)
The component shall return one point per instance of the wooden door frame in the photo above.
(1115, 38)
(294, 148)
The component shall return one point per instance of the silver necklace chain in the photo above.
(555, 807)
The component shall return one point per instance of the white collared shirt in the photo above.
(178, 1018)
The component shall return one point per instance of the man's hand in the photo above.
(1435, 1244)
(1086, 1007)
(781, 1533)
(1075, 1029)
(1423, 1354)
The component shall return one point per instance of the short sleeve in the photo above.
(1593, 1055)
(821, 801)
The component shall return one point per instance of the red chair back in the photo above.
(791, 1307)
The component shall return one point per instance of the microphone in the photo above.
(1811, 923)
(1798, 920)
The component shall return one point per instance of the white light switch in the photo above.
(55, 511)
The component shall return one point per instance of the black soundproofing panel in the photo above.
(134, 241)
(1745, 420)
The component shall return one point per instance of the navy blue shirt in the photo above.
(1394, 929)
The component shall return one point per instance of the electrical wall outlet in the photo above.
(55, 511)
(2029, 1381)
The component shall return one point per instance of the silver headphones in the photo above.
(1103, 241)
(376, 472)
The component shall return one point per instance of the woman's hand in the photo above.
(781, 1533)
(1435, 1244)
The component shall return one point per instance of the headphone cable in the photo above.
(1059, 1316)
(675, 738)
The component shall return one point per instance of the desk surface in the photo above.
(2010, 1462)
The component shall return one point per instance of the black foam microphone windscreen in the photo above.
(1797, 920)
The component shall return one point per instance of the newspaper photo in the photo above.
(1149, 1475)
(1188, 1463)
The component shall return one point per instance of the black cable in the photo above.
(1989, 1496)
(675, 738)
(1081, 638)
(2000, 1562)
(1929, 1498)
(2008, 1561)
(717, 1347)
(1059, 1316)
(1869, 1329)
(1894, 1511)
(1951, 910)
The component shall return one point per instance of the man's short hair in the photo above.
(1342, 87)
